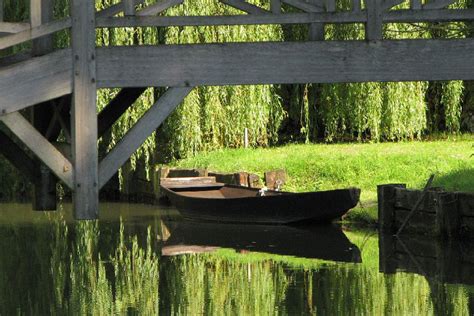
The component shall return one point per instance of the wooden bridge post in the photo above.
(44, 197)
(84, 112)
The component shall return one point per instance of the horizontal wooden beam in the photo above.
(158, 7)
(8, 27)
(397, 16)
(40, 146)
(39, 31)
(438, 4)
(287, 62)
(35, 80)
(440, 15)
(135, 137)
(243, 5)
(287, 18)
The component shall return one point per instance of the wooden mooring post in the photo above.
(441, 214)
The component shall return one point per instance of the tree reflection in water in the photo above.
(105, 268)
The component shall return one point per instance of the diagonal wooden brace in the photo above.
(40, 146)
(135, 137)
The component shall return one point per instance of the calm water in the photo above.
(143, 260)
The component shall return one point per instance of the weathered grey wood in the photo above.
(405, 199)
(44, 190)
(287, 18)
(295, 62)
(35, 80)
(466, 204)
(437, 4)
(112, 112)
(417, 205)
(186, 173)
(303, 5)
(447, 215)
(139, 133)
(388, 4)
(356, 7)
(17, 157)
(441, 15)
(275, 6)
(245, 6)
(330, 5)
(35, 13)
(316, 30)
(401, 16)
(29, 34)
(9, 27)
(420, 223)
(373, 27)
(40, 146)
(84, 114)
(129, 7)
(114, 9)
(415, 4)
(158, 7)
(186, 182)
(386, 196)
(44, 197)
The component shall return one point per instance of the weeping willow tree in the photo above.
(215, 117)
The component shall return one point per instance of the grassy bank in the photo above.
(320, 167)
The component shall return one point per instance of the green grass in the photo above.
(321, 166)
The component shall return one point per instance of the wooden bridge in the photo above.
(60, 86)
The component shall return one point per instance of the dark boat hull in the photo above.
(233, 204)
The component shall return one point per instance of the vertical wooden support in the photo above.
(415, 4)
(44, 197)
(84, 113)
(41, 11)
(275, 6)
(447, 215)
(129, 7)
(356, 5)
(386, 203)
(316, 30)
(1, 10)
(374, 26)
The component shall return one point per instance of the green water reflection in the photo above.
(52, 265)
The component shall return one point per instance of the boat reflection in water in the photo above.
(327, 242)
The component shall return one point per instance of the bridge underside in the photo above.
(53, 76)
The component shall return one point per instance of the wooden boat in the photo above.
(327, 242)
(235, 204)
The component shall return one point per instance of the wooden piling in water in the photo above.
(386, 206)
(446, 215)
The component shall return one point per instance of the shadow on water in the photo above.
(50, 265)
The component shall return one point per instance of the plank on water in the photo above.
(296, 62)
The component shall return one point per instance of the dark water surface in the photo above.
(141, 259)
